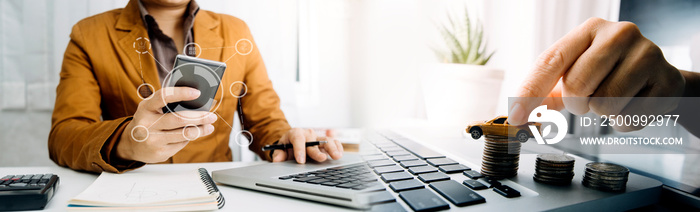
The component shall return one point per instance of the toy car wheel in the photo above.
(522, 136)
(475, 132)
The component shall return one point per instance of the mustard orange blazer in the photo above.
(96, 96)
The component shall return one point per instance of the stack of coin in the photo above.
(605, 176)
(501, 157)
(555, 169)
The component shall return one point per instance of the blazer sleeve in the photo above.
(79, 139)
(261, 105)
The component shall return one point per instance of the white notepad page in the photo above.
(146, 189)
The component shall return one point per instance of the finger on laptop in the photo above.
(298, 141)
(340, 146)
(331, 147)
(313, 151)
(281, 154)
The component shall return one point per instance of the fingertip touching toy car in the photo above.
(499, 126)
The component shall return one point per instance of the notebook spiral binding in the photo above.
(211, 187)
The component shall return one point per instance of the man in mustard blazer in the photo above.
(103, 121)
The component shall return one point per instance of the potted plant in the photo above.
(461, 88)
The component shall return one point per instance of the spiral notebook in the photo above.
(158, 191)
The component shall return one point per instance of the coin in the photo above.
(555, 158)
(501, 157)
(499, 137)
(602, 177)
(600, 187)
(555, 169)
(554, 173)
(608, 168)
(552, 182)
(605, 176)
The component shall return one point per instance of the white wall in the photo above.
(32, 40)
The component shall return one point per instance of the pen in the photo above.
(289, 146)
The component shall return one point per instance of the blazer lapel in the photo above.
(207, 35)
(130, 28)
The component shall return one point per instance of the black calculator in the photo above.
(27, 192)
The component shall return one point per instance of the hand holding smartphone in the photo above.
(201, 74)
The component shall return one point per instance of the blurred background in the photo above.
(334, 63)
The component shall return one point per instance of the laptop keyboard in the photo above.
(356, 177)
(407, 167)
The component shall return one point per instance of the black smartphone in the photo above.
(201, 74)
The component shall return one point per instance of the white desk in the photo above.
(447, 141)
(73, 182)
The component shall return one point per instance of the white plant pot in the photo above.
(456, 94)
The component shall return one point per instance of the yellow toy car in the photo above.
(499, 126)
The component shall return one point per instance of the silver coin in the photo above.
(608, 168)
(555, 158)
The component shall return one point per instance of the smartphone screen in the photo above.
(201, 74)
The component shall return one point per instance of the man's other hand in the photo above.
(298, 138)
(599, 58)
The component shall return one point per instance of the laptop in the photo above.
(392, 172)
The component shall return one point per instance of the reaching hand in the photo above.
(598, 59)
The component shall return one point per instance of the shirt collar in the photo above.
(192, 10)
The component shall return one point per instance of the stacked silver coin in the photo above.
(605, 176)
(501, 157)
(555, 169)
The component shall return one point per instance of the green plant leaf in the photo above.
(464, 40)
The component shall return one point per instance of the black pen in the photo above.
(289, 146)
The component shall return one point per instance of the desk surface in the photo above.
(73, 182)
(446, 141)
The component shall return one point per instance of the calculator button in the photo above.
(18, 184)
